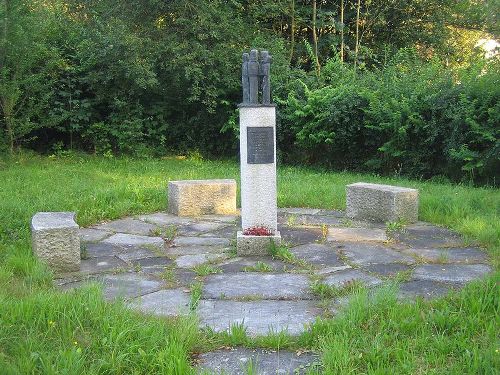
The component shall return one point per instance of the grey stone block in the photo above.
(202, 197)
(255, 245)
(381, 202)
(56, 240)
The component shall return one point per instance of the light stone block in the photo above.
(381, 203)
(202, 197)
(258, 181)
(56, 240)
(255, 245)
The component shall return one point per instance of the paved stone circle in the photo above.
(158, 262)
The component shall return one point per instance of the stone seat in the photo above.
(56, 240)
(202, 197)
(382, 203)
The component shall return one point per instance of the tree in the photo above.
(25, 66)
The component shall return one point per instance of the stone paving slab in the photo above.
(364, 254)
(423, 235)
(166, 302)
(128, 225)
(242, 264)
(265, 362)
(200, 228)
(319, 255)
(451, 273)
(426, 289)
(341, 278)
(387, 269)
(356, 234)
(135, 253)
(299, 236)
(195, 249)
(93, 235)
(133, 240)
(190, 261)
(226, 232)
(165, 220)
(255, 284)
(450, 255)
(128, 285)
(331, 269)
(153, 261)
(101, 264)
(201, 241)
(263, 300)
(99, 249)
(259, 317)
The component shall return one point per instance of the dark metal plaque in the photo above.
(260, 145)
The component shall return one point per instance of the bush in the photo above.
(412, 117)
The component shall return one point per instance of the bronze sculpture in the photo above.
(255, 78)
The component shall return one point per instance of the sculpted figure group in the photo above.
(255, 77)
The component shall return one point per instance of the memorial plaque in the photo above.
(260, 145)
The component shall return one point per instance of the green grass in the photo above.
(325, 291)
(206, 269)
(259, 266)
(39, 326)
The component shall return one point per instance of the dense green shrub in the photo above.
(411, 117)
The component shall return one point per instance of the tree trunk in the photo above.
(292, 35)
(357, 36)
(342, 31)
(315, 38)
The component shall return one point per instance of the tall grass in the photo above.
(44, 331)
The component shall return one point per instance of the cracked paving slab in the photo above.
(427, 289)
(93, 235)
(450, 255)
(201, 241)
(131, 240)
(265, 362)
(165, 302)
(319, 255)
(451, 273)
(366, 253)
(423, 235)
(255, 284)
(341, 278)
(190, 261)
(258, 317)
(128, 225)
(196, 249)
(165, 220)
(356, 234)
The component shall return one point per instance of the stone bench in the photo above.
(56, 240)
(202, 197)
(381, 203)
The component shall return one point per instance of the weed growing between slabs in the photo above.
(40, 325)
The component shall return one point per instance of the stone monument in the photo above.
(257, 158)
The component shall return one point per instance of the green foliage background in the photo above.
(152, 77)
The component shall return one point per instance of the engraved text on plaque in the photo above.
(260, 145)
